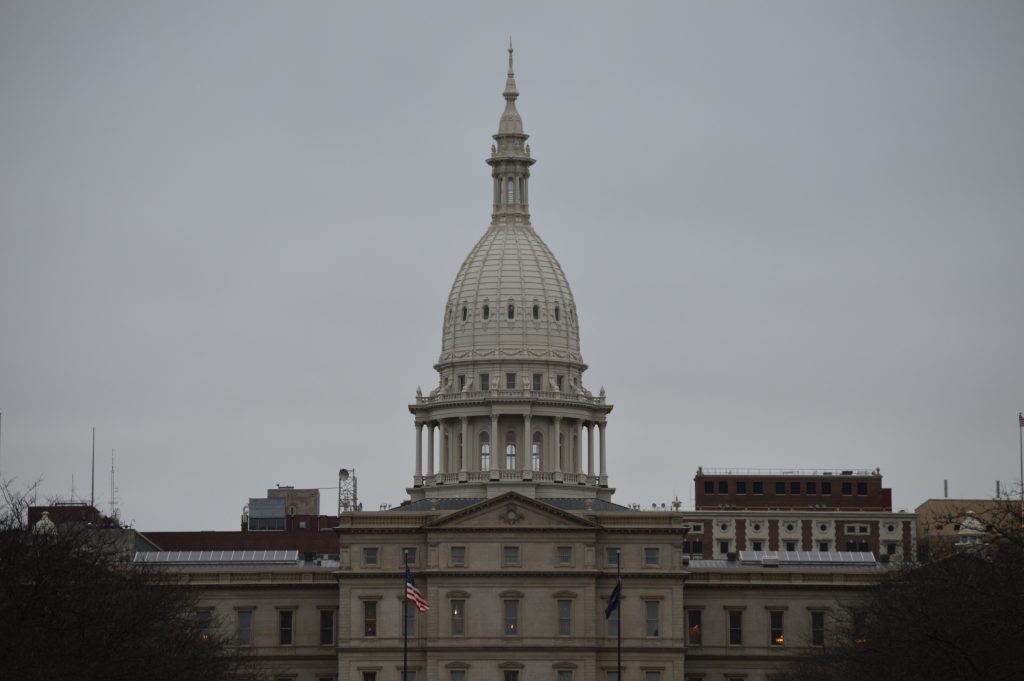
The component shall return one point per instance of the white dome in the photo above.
(511, 267)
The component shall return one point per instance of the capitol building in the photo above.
(511, 530)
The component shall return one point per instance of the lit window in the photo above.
(775, 634)
(458, 608)
(485, 452)
(510, 450)
(693, 628)
(651, 611)
(369, 618)
(203, 619)
(485, 382)
(735, 627)
(565, 618)
(245, 627)
(326, 627)
(510, 555)
(651, 556)
(817, 628)
(458, 555)
(564, 555)
(510, 381)
(511, 609)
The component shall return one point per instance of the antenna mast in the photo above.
(92, 487)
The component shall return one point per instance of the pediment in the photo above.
(511, 511)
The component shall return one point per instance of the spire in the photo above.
(510, 157)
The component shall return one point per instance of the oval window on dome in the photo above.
(487, 312)
(558, 316)
(511, 311)
(536, 311)
(465, 312)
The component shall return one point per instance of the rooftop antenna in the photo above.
(92, 488)
(113, 488)
(348, 497)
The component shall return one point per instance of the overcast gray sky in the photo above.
(228, 230)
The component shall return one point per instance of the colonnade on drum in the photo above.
(459, 444)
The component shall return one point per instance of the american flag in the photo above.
(412, 594)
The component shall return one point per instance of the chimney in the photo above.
(945, 489)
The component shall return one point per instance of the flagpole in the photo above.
(618, 628)
(1020, 439)
(405, 619)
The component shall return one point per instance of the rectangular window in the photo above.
(485, 382)
(510, 555)
(370, 555)
(823, 546)
(245, 627)
(891, 548)
(511, 675)
(564, 675)
(458, 608)
(652, 676)
(286, 622)
(826, 488)
(851, 546)
(511, 608)
(462, 382)
(757, 546)
(611, 676)
(203, 619)
(326, 627)
(410, 617)
(723, 486)
(709, 487)
(409, 554)
(369, 676)
(791, 546)
(652, 556)
(735, 627)
(651, 612)
(457, 675)
(611, 556)
(794, 488)
(758, 487)
(458, 555)
(723, 547)
(698, 547)
(565, 618)
(537, 381)
(558, 382)
(410, 676)
(775, 634)
(510, 381)
(564, 555)
(613, 621)
(780, 488)
(817, 628)
(812, 488)
(693, 628)
(847, 488)
(862, 488)
(741, 487)
(369, 618)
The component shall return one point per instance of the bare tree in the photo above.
(72, 607)
(959, 616)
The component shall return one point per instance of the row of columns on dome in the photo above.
(459, 452)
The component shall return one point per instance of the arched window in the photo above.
(536, 311)
(535, 451)
(511, 190)
(485, 452)
(557, 315)
(510, 450)
(465, 313)
(487, 311)
(511, 311)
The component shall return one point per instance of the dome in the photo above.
(511, 300)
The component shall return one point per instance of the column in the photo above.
(527, 462)
(465, 444)
(556, 448)
(419, 449)
(604, 462)
(442, 446)
(495, 443)
(430, 449)
(577, 448)
(590, 449)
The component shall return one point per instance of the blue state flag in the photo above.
(613, 600)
